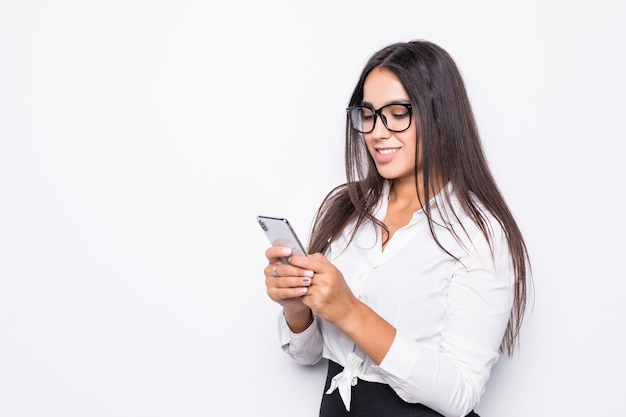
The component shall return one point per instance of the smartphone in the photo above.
(280, 233)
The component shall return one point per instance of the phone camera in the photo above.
(262, 223)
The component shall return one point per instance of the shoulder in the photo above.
(467, 220)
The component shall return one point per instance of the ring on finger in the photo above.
(274, 272)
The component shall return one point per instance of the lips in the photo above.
(385, 154)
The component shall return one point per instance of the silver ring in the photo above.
(274, 272)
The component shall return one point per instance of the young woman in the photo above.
(418, 276)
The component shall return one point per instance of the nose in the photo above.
(380, 130)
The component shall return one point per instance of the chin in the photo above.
(386, 174)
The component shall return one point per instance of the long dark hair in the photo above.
(451, 152)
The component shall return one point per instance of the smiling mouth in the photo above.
(387, 151)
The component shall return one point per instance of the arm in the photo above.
(330, 297)
(450, 378)
(299, 333)
(304, 347)
(450, 374)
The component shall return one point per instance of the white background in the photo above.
(139, 140)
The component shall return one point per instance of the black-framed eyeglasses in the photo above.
(396, 117)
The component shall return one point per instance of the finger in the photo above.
(288, 282)
(276, 293)
(314, 262)
(278, 270)
(274, 253)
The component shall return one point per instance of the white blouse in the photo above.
(450, 315)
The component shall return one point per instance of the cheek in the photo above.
(410, 144)
(411, 148)
(369, 144)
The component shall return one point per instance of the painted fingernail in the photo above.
(308, 273)
(303, 290)
(306, 280)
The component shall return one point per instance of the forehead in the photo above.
(382, 87)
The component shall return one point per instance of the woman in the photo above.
(418, 272)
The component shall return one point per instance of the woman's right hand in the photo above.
(286, 284)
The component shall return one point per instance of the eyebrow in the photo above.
(402, 101)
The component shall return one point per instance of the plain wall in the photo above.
(139, 140)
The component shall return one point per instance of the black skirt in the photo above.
(371, 399)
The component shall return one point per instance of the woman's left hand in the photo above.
(328, 295)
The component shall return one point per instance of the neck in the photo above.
(406, 194)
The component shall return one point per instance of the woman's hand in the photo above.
(311, 284)
(328, 294)
(307, 283)
(286, 284)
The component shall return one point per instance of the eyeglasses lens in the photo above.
(395, 117)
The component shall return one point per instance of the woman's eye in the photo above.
(398, 112)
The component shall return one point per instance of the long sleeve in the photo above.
(305, 347)
(451, 377)
(450, 312)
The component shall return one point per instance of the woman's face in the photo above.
(393, 152)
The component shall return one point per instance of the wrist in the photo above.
(352, 319)
(299, 320)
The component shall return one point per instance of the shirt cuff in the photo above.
(401, 359)
(298, 345)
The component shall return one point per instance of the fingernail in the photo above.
(303, 290)
(286, 251)
(308, 273)
(306, 280)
